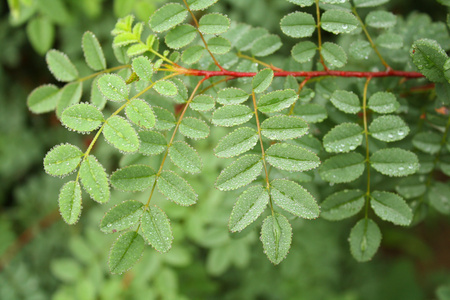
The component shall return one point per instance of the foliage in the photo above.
(350, 125)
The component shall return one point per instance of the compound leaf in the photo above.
(439, 197)
(43, 99)
(152, 142)
(429, 58)
(365, 238)
(156, 229)
(249, 206)
(284, 127)
(219, 45)
(167, 17)
(266, 45)
(69, 95)
(262, 80)
(344, 137)
(82, 117)
(388, 128)
(214, 23)
(383, 103)
(237, 142)
(277, 100)
(428, 142)
(343, 204)
(143, 68)
(41, 34)
(200, 4)
(231, 115)
(298, 24)
(342, 168)
(369, 3)
(185, 157)
(93, 53)
(291, 158)
(140, 113)
(334, 54)
(338, 21)
(346, 101)
(61, 66)
(122, 216)
(62, 160)
(232, 95)
(394, 162)
(202, 103)
(165, 120)
(180, 36)
(391, 207)
(94, 179)
(165, 88)
(120, 134)
(304, 51)
(276, 237)
(125, 252)
(133, 178)
(240, 173)
(381, 19)
(192, 54)
(70, 202)
(113, 87)
(194, 128)
(294, 199)
(176, 189)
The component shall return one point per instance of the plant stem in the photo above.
(103, 72)
(319, 36)
(366, 134)
(239, 54)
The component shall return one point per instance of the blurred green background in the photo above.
(43, 258)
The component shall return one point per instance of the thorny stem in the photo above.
(239, 54)
(374, 47)
(263, 153)
(201, 36)
(366, 134)
(319, 36)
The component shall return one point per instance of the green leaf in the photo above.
(133, 178)
(192, 54)
(262, 80)
(82, 117)
(294, 199)
(276, 237)
(266, 45)
(94, 179)
(277, 100)
(69, 201)
(125, 252)
(284, 127)
(249, 206)
(167, 17)
(369, 3)
(304, 51)
(202, 103)
(248, 38)
(140, 113)
(429, 58)
(411, 187)
(291, 158)
(165, 88)
(214, 23)
(156, 229)
(231, 115)
(365, 238)
(219, 45)
(311, 112)
(185, 157)
(194, 128)
(388, 128)
(43, 99)
(200, 4)
(232, 95)
(360, 50)
(439, 197)
(41, 34)
(136, 49)
(383, 103)
(240, 173)
(69, 95)
(152, 143)
(62, 160)
(338, 21)
(97, 98)
(298, 24)
(342, 205)
(180, 36)
(302, 3)
(334, 55)
(389, 40)
(381, 19)
(342, 168)
(346, 101)
(428, 142)
(165, 120)
(391, 207)
(395, 162)
(113, 87)
(344, 137)
(143, 68)
(61, 66)
(122, 216)
(120, 134)
(93, 53)
(237, 142)
(176, 189)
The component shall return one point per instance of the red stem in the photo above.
(308, 74)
